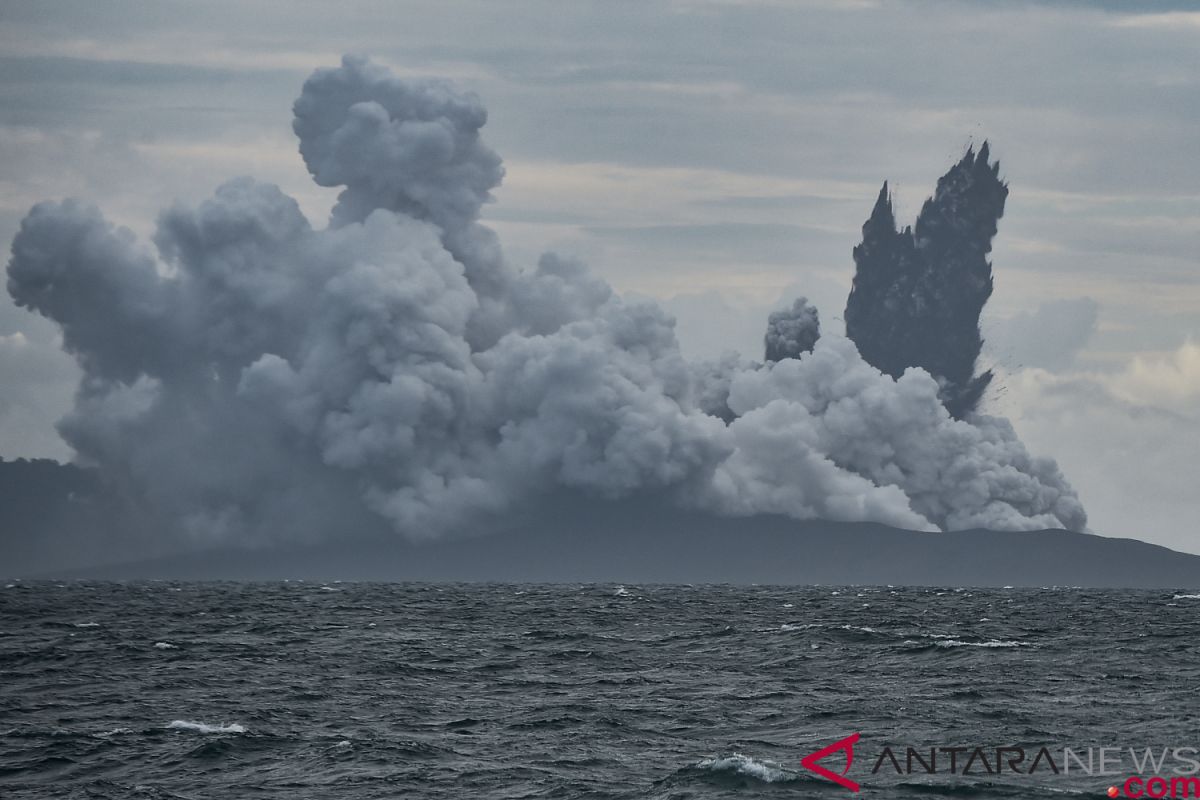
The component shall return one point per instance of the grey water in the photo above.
(299, 690)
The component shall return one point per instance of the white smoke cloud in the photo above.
(410, 146)
(954, 473)
(257, 377)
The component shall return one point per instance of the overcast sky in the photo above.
(718, 156)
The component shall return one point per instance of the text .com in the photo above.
(1156, 786)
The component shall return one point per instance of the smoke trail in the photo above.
(917, 294)
(261, 378)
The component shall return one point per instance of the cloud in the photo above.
(896, 434)
(1049, 337)
(410, 146)
(740, 329)
(1127, 438)
(1170, 381)
(792, 332)
(35, 393)
(252, 376)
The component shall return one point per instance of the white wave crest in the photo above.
(766, 771)
(112, 733)
(992, 643)
(1187, 597)
(200, 727)
(166, 646)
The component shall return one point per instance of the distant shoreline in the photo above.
(594, 542)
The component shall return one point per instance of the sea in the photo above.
(351, 690)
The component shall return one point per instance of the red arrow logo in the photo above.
(809, 762)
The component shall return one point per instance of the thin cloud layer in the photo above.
(1049, 337)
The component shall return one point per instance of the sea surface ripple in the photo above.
(306, 690)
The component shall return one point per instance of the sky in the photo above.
(719, 157)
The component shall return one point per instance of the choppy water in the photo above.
(298, 690)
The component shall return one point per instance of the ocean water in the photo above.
(302, 690)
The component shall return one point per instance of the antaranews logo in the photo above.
(1181, 765)
(809, 762)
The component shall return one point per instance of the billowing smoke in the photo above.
(256, 377)
(792, 333)
(918, 293)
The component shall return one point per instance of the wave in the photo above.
(806, 626)
(738, 764)
(200, 727)
(166, 646)
(1187, 597)
(990, 643)
(112, 733)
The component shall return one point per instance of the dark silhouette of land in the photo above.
(572, 539)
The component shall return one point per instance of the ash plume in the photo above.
(254, 377)
(792, 332)
(918, 293)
